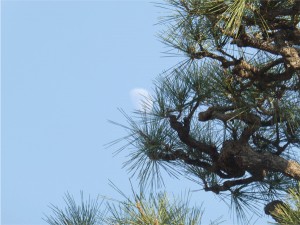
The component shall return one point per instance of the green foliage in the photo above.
(86, 213)
(156, 209)
(289, 213)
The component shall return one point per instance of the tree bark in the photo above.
(245, 158)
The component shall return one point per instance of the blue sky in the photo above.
(66, 67)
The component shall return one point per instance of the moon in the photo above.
(141, 99)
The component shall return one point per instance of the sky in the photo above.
(66, 68)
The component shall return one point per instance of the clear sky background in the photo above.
(66, 68)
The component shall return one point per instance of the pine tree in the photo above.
(228, 115)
